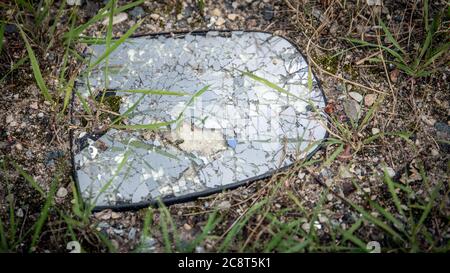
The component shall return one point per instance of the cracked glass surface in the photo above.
(241, 109)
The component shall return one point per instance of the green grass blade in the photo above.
(333, 156)
(84, 103)
(151, 126)
(147, 222)
(390, 37)
(52, 29)
(348, 234)
(165, 221)
(44, 213)
(267, 83)
(374, 220)
(389, 216)
(387, 49)
(25, 4)
(108, 42)
(115, 45)
(116, 173)
(68, 44)
(3, 242)
(68, 93)
(425, 14)
(12, 219)
(310, 78)
(129, 111)
(299, 247)
(277, 239)
(427, 209)
(154, 92)
(36, 70)
(165, 234)
(437, 53)
(391, 188)
(191, 100)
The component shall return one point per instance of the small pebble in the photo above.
(232, 16)
(306, 227)
(34, 105)
(73, 2)
(329, 197)
(154, 16)
(115, 215)
(375, 131)
(356, 96)
(224, 205)
(199, 249)
(9, 119)
(187, 226)
(323, 219)
(132, 234)
(220, 21)
(19, 213)
(370, 99)
(352, 110)
(62, 192)
(344, 173)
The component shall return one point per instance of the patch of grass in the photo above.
(431, 51)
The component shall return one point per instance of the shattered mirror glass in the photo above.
(200, 112)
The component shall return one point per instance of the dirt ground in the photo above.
(411, 113)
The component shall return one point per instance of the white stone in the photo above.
(73, 2)
(356, 96)
(375, 131)
(232, 16)
(390, 171)
(154, 16)
(220, 21)
(62, 192)
(119, 18)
